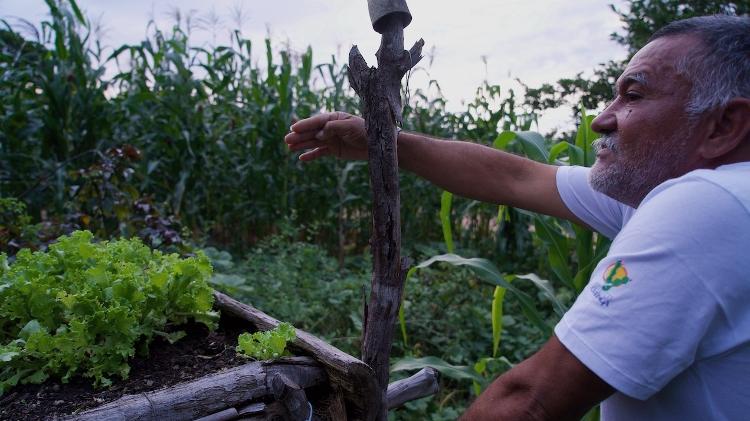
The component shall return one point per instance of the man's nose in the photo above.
(604, 123)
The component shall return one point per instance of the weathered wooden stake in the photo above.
(380, 92)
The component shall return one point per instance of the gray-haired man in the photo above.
(662, 330)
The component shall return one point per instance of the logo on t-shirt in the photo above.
(615, 275)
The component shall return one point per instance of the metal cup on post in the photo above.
(383, 10)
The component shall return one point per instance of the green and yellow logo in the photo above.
(615, 275)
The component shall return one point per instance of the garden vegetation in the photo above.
(178, 149)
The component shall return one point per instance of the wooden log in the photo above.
(225, 415)
(336, 405)
(423, 383)
(380, 92)
(291, 395)
(346, 374)
(251, 409)
(210, 394)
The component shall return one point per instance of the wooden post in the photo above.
(380, 92)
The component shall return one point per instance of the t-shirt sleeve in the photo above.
(659, 300)
(596, 209)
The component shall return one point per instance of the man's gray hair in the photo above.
(719, 71)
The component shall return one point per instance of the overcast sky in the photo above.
(533, 40)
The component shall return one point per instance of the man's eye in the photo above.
(632, 96)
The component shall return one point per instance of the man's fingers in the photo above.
(314, 134)
(316, 122)
(313, 123)
(315, 153)
(304, 145)
(332, 130)
(335, 126)
(294, 138)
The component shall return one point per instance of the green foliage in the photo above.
(446, 203)
(267, 344)
(497, 318)
(13, 221)
(210, 149)
(572, 252)
(642, 18)
(84, 307)
(300, 283)
(186, 144)
(491, 110)
(446, 310)
(205, 128)
(17, 231)
(489, 273)
(446, 369)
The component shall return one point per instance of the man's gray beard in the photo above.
(630, 180)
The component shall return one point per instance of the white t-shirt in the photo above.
(665, 318)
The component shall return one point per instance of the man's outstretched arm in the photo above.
(550, 385)
(466, 169)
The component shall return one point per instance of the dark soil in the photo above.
(199, 353)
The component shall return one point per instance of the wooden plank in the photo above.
(423, 383)
(210, 394)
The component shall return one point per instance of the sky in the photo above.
(466, 42)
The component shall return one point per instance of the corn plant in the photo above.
(573, 251)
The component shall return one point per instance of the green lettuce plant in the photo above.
(84, 307)
(266, 345)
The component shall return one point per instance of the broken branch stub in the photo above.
(380, 92)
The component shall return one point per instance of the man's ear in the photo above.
(731, 127)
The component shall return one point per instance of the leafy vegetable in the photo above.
(266, 345)
(82, 307)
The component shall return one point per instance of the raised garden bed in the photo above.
(201, 376)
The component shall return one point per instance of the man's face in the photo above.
(647, 135)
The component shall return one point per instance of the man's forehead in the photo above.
(658, 61)
(640, 77)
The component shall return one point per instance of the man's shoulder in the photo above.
(702, 192)
(704, 209)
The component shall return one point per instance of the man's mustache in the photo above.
(605, 142)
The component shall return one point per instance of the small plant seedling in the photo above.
(266, 345)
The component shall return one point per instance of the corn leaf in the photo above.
(457, 372)
(446, 201)
(558, 249)
(401, 315)
(497, 318)
(489, 273)
(534, 146)
(503, 139)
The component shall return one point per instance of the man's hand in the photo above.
(335, 134)
(550, 385)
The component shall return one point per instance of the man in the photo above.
(662, 331)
